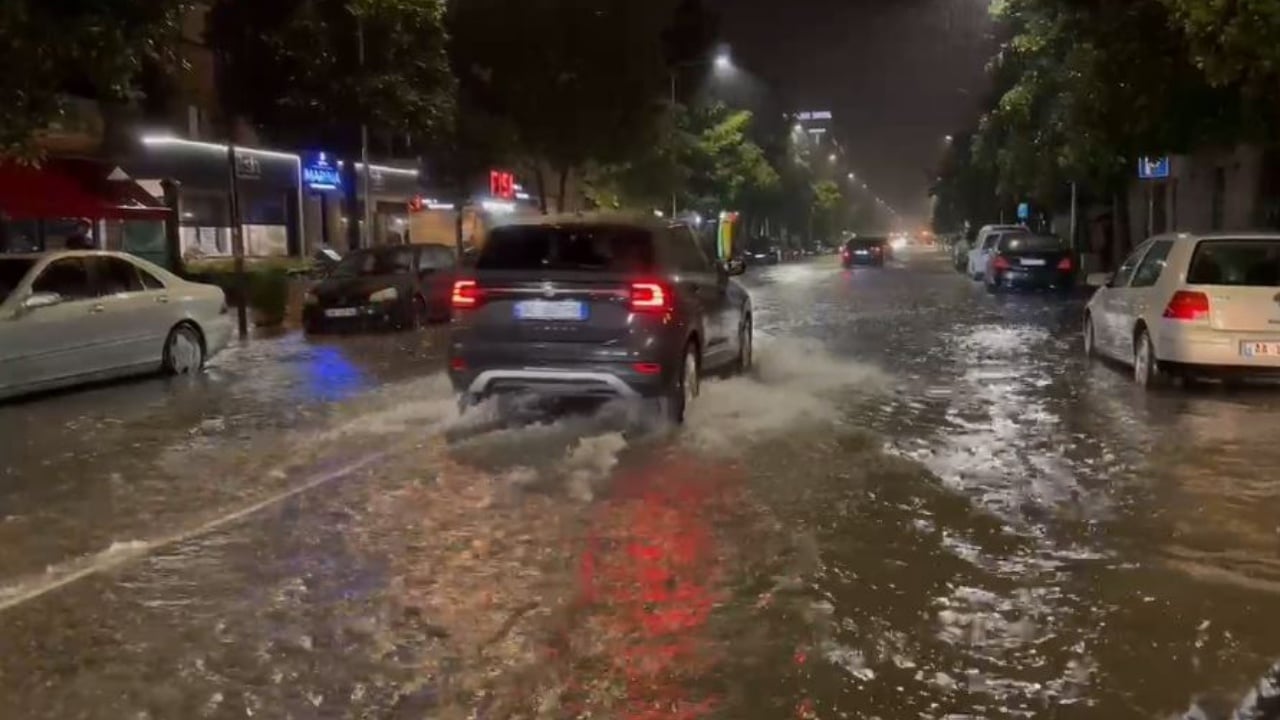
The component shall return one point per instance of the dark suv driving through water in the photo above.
(596, 307)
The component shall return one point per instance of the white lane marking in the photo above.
(53, 579)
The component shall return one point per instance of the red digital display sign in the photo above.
(502, 184)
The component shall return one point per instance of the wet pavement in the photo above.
(923, 503)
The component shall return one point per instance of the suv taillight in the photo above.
(1187, 305)
(466, 294)
(650, 297)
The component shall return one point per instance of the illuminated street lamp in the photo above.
(723, 61)
(832, 158)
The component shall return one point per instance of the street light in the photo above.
(832, 157)
(852, 176)
(723, 63)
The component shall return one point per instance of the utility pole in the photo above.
(367, 230)
(237, 242)
(675, 209)
(1074, 216)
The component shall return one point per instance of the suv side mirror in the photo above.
(35, 301)
(735, 266)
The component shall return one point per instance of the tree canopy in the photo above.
(93, 48)
(578, 87)
(293, 68)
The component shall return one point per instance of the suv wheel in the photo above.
(746, 347)
(684, 388)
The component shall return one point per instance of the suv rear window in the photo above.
(1245, 263)
(610, 248)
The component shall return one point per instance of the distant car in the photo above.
(598, 308)
(985, 247)
(399, 286)
(73, 317)
(1029, 262)
(1190, 306)
(771, 255)
(866, 251)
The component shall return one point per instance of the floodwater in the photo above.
(923, 503)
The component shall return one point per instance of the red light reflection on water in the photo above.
(652, 574)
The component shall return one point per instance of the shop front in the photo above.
(390, 192)
(78, 203)
(268, 185)
(494, 199)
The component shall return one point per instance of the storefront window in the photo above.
(205, 209)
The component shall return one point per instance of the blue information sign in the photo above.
(1024, 211)
(1156, 168)
(320, 172)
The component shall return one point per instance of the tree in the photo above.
(725, 167)
(293, 68)
(581, 87)
(1087, 88)
(93, 48)
(1232, 41)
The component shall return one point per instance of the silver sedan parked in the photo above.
(73, 317)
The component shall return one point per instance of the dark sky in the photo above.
(898, 74)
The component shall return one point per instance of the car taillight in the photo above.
(648, 368)
(1065, 264)
(1187, 305)
(650, 297)
(1000, 263)
(465, 294)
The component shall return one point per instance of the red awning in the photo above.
(73, 188)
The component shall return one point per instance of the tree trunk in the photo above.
(561, 200)
(540, 179)
(351, 203)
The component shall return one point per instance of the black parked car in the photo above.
(1030, 262)
(597, 307)
(400, 286)
(866, 251)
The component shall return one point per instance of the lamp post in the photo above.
(722, 63)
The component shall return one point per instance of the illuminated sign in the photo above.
(814, 115)
(320, 172)
(1156, 168)
(502, 184)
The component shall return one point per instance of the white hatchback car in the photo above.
(73, 317)
(1191, 306)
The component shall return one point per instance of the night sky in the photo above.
(898, 74)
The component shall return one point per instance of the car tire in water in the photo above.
(1146, 367)
(746, 347)
(684, 389)
(1090, 346)
(183, 351)
(415, 316)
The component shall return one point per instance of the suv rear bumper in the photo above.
(596, 381)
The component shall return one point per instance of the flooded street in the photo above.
(924, 502)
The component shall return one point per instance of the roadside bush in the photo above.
(266, 281)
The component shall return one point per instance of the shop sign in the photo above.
(247, 166)
(320, 172)
(502, 184)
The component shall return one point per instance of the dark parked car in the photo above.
(866, 251)
(1022, 261)
(597, 307)
(400, 286)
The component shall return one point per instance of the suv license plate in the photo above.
(551, 310)
(1260, 349)
(341, 312)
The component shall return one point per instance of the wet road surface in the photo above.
(923, 503)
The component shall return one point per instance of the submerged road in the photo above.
(923, 503)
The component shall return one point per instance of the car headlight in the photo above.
(386, 295)
(310, 299)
